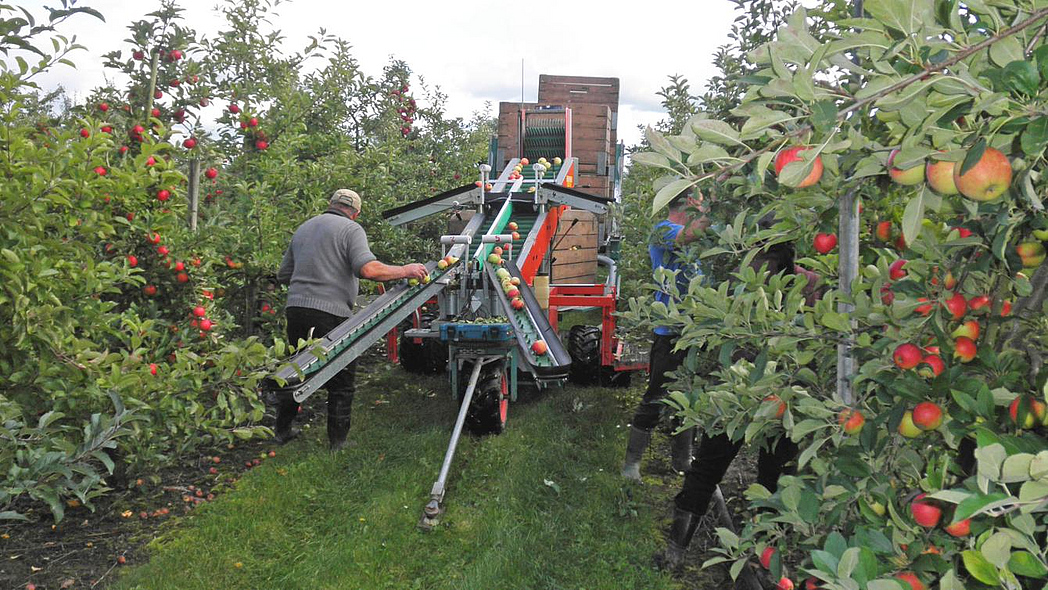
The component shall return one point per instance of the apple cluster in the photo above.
(406, 108)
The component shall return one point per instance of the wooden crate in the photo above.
(576, 252)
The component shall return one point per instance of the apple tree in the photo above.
(912, 138)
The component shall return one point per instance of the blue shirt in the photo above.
(662, 250)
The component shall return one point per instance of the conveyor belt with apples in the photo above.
(527, 197)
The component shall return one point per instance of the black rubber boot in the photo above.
(681, 532)
(339, 412)
(635, 447)
(287, 409)
(681, 450)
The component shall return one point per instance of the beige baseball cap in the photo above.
(346, 197)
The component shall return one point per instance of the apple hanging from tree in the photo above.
(825, 243)
(988, 179)
(211, 173)
(189, 143)
(924, 309)
(905, 176)
(927, 416)
(957, 305)
(1031, 254)
(960, 529)
(766, 555)
(964, 349)
(969, 329)
(851, 420)
(149, 290)
(912, 580)
(925, 513)
(895, 271)
(792, 154)
(883, 231)
(907, 356)
(934, 367)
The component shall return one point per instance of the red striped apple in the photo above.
(793, 155)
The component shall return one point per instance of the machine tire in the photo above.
(428, 357)
(584, 349)
(487, 411)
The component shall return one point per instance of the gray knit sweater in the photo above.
(323, 264)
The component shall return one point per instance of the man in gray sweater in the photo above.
(323, 265)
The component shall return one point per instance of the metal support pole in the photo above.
(848, 229)
(194, 193)
(433, 509)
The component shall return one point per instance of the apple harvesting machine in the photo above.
(487, 312)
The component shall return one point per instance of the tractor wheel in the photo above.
(584, 349)
(488, 409)
(428, 357)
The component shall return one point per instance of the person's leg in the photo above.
(700, 481)
(649, 410)
(771, 463)
(340, 388)
(299, 324)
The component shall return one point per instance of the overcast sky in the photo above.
(472, 50)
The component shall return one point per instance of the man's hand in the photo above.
(414, 271)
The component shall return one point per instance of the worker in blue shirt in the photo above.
(685, 222)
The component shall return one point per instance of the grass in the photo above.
(541, 506)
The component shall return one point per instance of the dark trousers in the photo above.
(712, 461)
(300, 322)
(661, 361)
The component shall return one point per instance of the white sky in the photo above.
(472, 50)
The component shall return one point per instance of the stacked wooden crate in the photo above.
(594, 104)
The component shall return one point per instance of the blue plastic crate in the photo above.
(476, 332)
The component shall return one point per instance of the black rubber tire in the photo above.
(487, 410)
(428, 357)
(584, 349)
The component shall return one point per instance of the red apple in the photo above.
(1006, 308)
(512, 226)
(211, 173)
(252, 122)
(100, 170)
(906, 177)
(979, 302)
(883, 231)
(782, 405)
(793, 155)
(907, 356)
(154, 238)
(261, 144)
(935, 366)
(189, 143)
(517, 304)
(964, 349)
(925, 513)
(940, 177)
(163, 194)
(539, 348)
(895, 271)
(825, 243)
(162, 251)
(103, 107)
(182, 277)
(988, 179)
(132, 260)
(175, 55)
(1024, 416)
(199, 311)
(766, 556)
(911, 579)
(957, 306)
(924, 309)
(233, 108)
(927, 416)
(155, 113)
(138, 54)
(960, 529)
(784, 584)
(969, 329)
(206, 324)
(85, 133)
(887, 297)
(851, 420)
(149, 290)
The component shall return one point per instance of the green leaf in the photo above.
(659, 143)
(824, 116)
(1023, 563)
(652, 159)
(905, 16)
(980, 568)
(886, 585)
(975, 504)
(847, 564)
(1040, 55)
(975, 153)
(1006, 51)
(912, 216)
(11, 515)
(716, 131)
(1021, 77)
(997, 549)
(1035, 136)
(835, 321)
(825, 561)
(669, 192)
